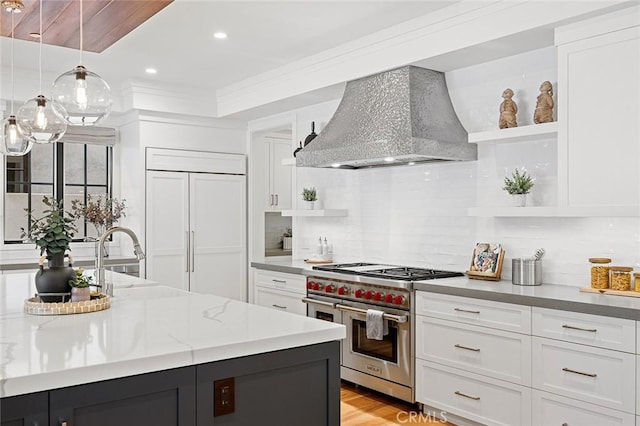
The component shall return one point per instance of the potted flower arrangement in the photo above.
(287, 239)
(519, 185)
(101, 211)
(80, 290)
(52, 233)
(309, 196)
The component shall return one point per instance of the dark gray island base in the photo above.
(288, 387)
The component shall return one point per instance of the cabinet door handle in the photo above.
(276, 199)
(186, 239)
(271, 199)
(279, 307)
(193, 251)
(465, 310)
(475, 398)
(568, 370)
(571, 327)
(467, 348)
(279, 281)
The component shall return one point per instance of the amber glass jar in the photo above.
(636, 281)
(599, 272)
(620, 278)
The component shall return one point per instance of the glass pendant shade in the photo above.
(84, 96)
(13, 142)
(41, 119)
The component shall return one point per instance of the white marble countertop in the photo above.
(148, 328)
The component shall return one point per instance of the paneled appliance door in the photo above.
(167, 228)
(323, 308)
(217, 235)
(389, 358)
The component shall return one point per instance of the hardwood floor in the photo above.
(360, 406)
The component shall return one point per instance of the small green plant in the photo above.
(288, 233)
(309, 194)
(82, 281)
(518, 183)
(53, 231)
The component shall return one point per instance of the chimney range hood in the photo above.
(397, 117)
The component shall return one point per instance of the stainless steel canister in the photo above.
(526, 271)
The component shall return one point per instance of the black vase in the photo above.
(55, 278)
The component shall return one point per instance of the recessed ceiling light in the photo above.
(389, 159)
(411, 163)
(34, 35)
(151, 71)
(335, 165)
(220, 35)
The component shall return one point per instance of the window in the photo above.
(66, 171)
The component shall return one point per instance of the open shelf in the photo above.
(516, 134)
(550, 211)
(288, 161)
(316, 213)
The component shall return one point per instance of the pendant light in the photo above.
(14, 143)
(41, 117)
(85, 97)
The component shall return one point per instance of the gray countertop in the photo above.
(552, 296)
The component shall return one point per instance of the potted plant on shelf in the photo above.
(53, 233)
(519, 185)
(80, 290)
(309, 197)
(287, 239)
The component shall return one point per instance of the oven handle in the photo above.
(318, 302)
(390, 317)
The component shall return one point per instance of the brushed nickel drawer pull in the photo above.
(571, 327)
(464, 310)
(568, 370)
(279, 281)
(475, 398)
(467, 348)
(279, 307)
(565, 424)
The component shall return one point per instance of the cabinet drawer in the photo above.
(595, 375)
(495, 353)
(605, 332)
(283, 301)
(503, 316)
(482, 399)
(550, 409)
(280, 280)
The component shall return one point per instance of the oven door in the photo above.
(389, 358)
(323, 308)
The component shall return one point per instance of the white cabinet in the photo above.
(195, 230)
(598, 111)
(551, 409)
(278, 196)
(279, 290)
(475, 397)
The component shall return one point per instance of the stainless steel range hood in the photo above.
(400, 116)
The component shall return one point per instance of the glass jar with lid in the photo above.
(599, 272)
(636, 281)
(620, 278)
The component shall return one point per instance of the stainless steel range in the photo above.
(343, 293)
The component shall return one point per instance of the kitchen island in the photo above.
(165, 356)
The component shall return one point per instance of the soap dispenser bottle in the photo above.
(319, 247)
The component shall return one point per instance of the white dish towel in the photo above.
(377, 327)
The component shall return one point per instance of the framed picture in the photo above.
(486, 262)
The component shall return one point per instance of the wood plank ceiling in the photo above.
(104, 21)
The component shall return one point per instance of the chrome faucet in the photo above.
(100, 278)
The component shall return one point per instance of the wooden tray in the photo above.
(317, 261)
(629, 293)
(35, 306)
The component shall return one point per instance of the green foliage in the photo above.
(309, 194)
(518, 183)
(82, 281)
(54, 230)
(288, 233)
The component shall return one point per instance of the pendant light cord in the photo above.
(13, 82)
(81, 34)
(40, 53)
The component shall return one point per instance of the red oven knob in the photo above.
(343, 290)
(399, 300)
(329, 289)
(359, 293)
(389, 298)
(317, 286)
(378, 296)
(310, 285)
(368, 294)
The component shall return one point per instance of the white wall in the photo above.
(417, 215)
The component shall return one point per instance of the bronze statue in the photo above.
(544, 106)
(508, 110)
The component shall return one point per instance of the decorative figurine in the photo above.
(544, 106)
(508, 110)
